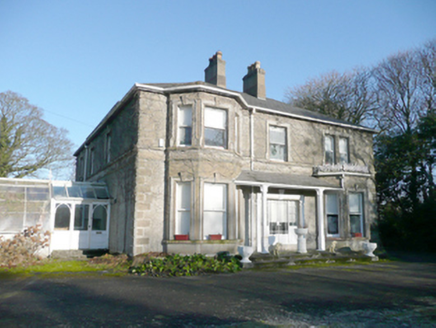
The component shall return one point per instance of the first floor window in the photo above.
(108, 147)
(183, 215)
(215, 127)
(343, 151)
(332, 212)
(277, 143)
(215, 210)
(185, 126)
(356, 213)
(329, 150)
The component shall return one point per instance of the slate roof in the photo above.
(258, 177)
(267, 103)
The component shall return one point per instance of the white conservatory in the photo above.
(76, 213)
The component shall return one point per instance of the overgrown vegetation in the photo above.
(179, 265)
(23, 249)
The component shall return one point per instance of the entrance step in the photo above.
(77, 254)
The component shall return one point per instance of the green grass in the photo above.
(53, 268)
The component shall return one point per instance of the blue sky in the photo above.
(76, 59)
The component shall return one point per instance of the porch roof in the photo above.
(257, 178)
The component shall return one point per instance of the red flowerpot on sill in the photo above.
(357, 234)
(216, 237)
(181, 237)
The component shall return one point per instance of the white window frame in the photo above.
(359, 212)
(344, 153)
(283, 145)
(223, 210)
(182, 187)
(329, 211)
(183, 125)
(329, 151)
(213, 125)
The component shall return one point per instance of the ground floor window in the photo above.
(215, 210)
(62, 218)
(183, 215)
(356, 214)
(332, 213)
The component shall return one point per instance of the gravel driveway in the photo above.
(382, 294)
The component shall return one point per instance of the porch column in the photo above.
(264, 190)
(320, 218)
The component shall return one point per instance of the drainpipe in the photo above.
(320, 216)
(253, 110)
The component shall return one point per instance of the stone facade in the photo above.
(138, 151)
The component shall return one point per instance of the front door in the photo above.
(282, 218)
(81, 226)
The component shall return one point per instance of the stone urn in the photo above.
(301, 245)
(245, 252)
(369, 248)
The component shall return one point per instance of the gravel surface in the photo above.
(382, 294)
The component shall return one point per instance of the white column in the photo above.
(320, 218)
(264, 189)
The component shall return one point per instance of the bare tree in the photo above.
(345, 96)
(27, 142)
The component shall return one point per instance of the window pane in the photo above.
(184, 196)
(62, 218)
(101, 192)
(343, 150)
(214, 196)
(215, 118)
(355, 203)
(81, 217)
(329, 158)
(277, 135)
(213, 223)
(183, 223)
(37, 193)
(74, 191)
(332, 224)
(332, 204)
(59, 191)
(185, 116)
(99, 218)
(355, 223)
(328, 143)
(277, 152)
(185, 135)
(214, 137)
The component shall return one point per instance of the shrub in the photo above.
(179, 265)
(24, 247)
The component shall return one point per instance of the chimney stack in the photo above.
(254, 81)
(215, 73)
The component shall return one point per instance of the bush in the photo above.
(178, 265)
(24, 247)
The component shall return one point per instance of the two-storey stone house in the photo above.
(196, 160)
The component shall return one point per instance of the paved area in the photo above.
(383, 294)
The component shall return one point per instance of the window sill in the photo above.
(223, 241)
